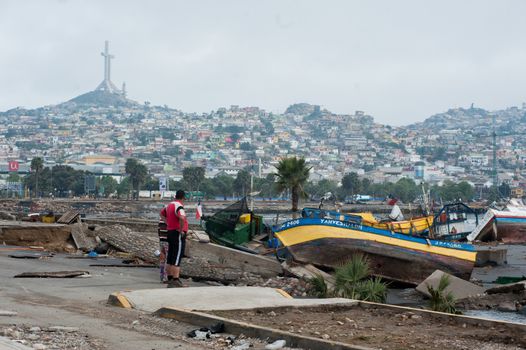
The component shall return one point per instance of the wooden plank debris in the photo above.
(69, 217)
(53, 274)
(31, 255)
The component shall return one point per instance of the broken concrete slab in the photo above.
(458, 287)
(53, 274)
(490, 255)
(213, 298)
(201, 236)
(126, 240)
(235, 259)
(81, 239)
(508, 288)
(309, 271)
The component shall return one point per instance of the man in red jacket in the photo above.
(177, 226)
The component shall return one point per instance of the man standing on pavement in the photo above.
(177, 226)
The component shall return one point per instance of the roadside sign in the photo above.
(13, 165)
(162, 184)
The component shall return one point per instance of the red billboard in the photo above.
(13, 165)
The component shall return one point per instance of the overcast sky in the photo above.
(399, 61)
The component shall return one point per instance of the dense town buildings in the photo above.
(99, 136)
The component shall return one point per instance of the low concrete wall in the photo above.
(487, 255)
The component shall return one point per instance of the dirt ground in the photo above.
(383, 329)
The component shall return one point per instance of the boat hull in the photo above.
(397, 257)
(507, 227)
(511, 230)
(412, 227)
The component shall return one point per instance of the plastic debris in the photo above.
(243, 346)
(278, 344)
(199, 335)
(205, 332)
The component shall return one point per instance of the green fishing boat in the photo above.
(235, 226)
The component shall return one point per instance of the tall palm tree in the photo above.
(292, 174)
(138, 174)
(37, 164)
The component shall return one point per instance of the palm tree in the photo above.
(292, 174)
(37, 164)
(138, 174)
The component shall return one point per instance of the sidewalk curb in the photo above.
(117, 299)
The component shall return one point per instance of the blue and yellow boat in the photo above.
(328, 242)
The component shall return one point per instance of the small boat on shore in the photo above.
(329, 242)
(415, 227)
(454, 222)
(507, 226)
(236, 227)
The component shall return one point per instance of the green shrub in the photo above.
(352, 281)
(440, 300)
(318, 287)
(372, 290)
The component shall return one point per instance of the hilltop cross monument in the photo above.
(106, 84)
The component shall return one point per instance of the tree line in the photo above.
(290, 180)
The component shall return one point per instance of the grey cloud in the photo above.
(400, 61)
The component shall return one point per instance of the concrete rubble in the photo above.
(206, 262)
(506, 298)
(124, 239)
(517, 288)
(4, 215)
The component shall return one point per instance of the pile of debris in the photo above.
(507, 298)
(55, 337)
(199, 267)
(4, 215)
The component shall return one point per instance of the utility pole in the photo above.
(251, 191)
(495, 175)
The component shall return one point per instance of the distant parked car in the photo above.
(358, 198)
